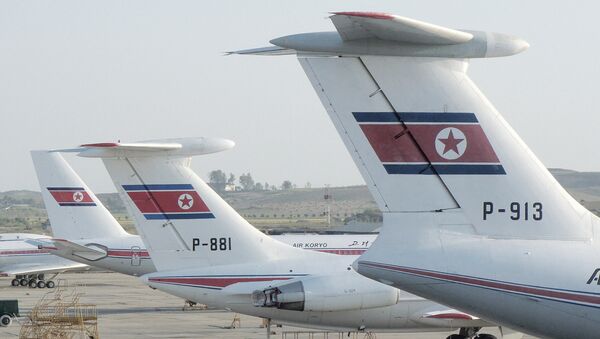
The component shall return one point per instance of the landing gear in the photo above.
(470, 333)
(33, 281)
(50, 282)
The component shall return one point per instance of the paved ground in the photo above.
(129, 309)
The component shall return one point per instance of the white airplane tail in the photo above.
(422, 134)
(73, 209)
(181, 219)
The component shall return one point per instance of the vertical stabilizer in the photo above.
(182, 221)
(73, 209)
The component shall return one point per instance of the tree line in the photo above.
(220, 181)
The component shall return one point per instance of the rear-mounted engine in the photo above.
(326, 293)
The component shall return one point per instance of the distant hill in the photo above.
(22, 197)
(589, 181)
(301, 207)
(24, 210)
(301, 202)
(583, 186)
(556, 171)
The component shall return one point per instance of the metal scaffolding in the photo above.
(59, 314)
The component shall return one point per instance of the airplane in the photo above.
(29, 264)
(472, 219)
(207, 253)
(90, 234)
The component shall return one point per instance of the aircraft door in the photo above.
(135, 256)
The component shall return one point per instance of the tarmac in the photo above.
(129, 309)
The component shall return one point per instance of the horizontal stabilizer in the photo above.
(364, 25)
(89, 252)
(178, 147)
(269, 50)
(368, 33)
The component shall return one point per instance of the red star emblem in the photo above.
(78, 196)
(451, 143)
(185, 201)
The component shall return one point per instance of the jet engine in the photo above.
(327, 294)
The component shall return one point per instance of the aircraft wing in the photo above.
(30, 268)
(68, 249)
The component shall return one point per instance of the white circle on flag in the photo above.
(185, 201)
(78, 196)
(450, 143)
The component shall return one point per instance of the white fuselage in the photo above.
(15, 252)
(128, 254)
(548, 288)
(231, 287)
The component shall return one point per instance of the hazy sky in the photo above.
(73, 72)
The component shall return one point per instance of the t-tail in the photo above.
(180, 218)
(73, 209)
(423, 136)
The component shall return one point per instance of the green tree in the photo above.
(247, 182)
(231, 179)
(217, 179)
(286, 185)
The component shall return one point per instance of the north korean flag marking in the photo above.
(441, 143)
(168, 201)
(71, 196)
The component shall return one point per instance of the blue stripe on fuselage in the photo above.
(365, 117)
